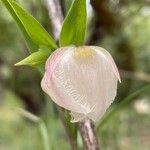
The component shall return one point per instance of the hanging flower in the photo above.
(82, 80)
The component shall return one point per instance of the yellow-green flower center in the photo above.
(84, 53)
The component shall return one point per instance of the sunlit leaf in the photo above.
(35, 59)
(74, 26)
(33, 28)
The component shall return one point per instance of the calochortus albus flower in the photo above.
(82, 80)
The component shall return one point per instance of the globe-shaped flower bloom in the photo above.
(82, 80)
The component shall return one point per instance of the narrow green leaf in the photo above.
(34, 29)
(35, 59)
(41, 124)
(129, 99)
(74, 26)
(30, 44)
(44, 134)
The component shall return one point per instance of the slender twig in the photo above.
(86, 127)
(88, 134)
(56, 16)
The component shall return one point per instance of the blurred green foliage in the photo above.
(122, 27)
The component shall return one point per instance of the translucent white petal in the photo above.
(106, 53)
(83, 80)
(108, 77)
(56, 84)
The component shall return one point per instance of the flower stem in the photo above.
(44, 134)
(88, 134)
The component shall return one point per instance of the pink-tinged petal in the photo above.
(54, 58)
(82, 80)
(56, 84)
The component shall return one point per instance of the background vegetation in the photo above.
(122, 27)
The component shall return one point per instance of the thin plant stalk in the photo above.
(44, 134)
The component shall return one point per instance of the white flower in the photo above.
(82, 80)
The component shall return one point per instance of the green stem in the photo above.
(44, 134)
